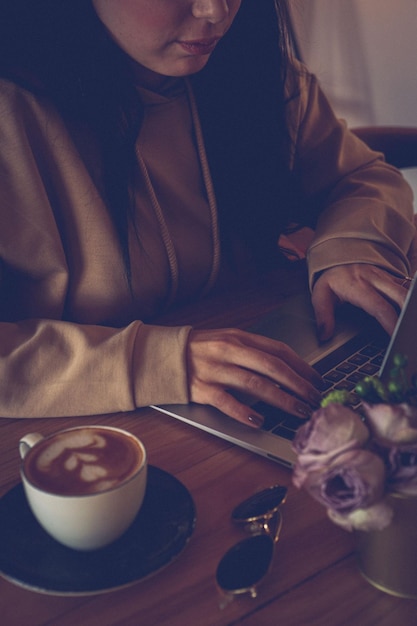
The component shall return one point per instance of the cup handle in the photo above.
(27, 442)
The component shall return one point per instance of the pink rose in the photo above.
(332, 430)
(392, 423)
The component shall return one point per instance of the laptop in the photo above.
(358, 348)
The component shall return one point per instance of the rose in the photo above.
(375, 517)
(354, 480)
(392, 423)
(332, 430)
(402, 473)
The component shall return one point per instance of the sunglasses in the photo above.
(244, 566)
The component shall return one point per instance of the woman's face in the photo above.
(169, 37)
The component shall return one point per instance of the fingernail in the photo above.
(303, 410)
(256, 420)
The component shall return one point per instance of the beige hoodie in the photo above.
(71, 342)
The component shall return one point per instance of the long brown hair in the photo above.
(243, 108)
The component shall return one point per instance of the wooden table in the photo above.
(314, 579)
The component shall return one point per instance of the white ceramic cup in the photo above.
(90, 520)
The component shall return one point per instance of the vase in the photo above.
(388, 558)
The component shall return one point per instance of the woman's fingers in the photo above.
(230, 369)
(372, 289)
(224, 364)
(225, 401)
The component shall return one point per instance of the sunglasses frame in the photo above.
(261, 516)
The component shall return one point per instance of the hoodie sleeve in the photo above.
(364, 206)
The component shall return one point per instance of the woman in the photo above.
(148, 148)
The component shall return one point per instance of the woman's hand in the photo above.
(366, 286)
(225, 362)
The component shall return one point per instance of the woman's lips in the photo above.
(200, 47)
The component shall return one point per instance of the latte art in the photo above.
(68, 455)
(83, 461)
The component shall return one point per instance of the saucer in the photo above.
(29, 557)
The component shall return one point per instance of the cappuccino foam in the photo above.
(83, 461)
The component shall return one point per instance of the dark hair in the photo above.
(60, 50)
(243, 110)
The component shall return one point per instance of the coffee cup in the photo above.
(85, 485)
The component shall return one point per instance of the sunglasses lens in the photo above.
(260, 504)
(244, 565)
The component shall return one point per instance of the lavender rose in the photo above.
(352, 481)
(392, 423)
(402, 473)
(375, 517)
(332, 430)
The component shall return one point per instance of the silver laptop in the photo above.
(359, 348)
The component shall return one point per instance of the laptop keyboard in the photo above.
(343, 369)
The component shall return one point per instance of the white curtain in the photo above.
(365, 54)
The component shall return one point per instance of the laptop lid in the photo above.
(294, 323)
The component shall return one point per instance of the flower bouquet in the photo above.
(352, 462)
